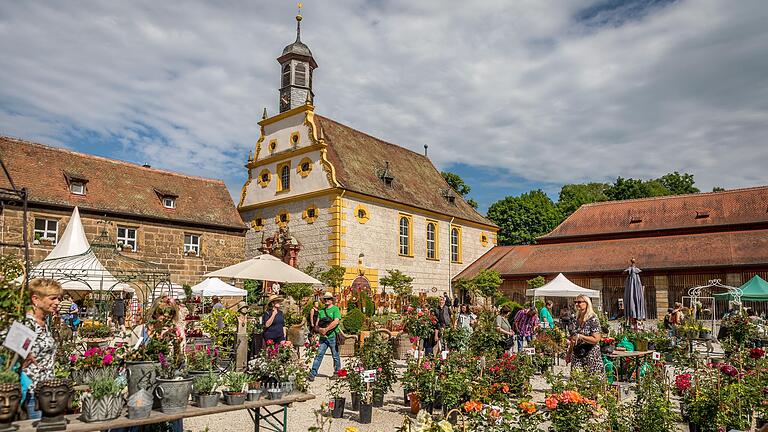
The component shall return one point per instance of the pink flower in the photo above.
(379, 369)
(73, 358)
(427, 365)
(107, 360)
(414, 339)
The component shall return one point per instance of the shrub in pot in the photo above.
(104, 401)
(366, 408)
(235, 393)
(204, 392)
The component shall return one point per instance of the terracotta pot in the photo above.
(415, 406)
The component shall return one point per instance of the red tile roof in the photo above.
(358, 158)
(115, 187)
(690, 251)
(692, 212)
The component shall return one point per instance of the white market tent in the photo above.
(265, 268)
(216, 287)
(172, 290)
(86, 272)
(560, 286)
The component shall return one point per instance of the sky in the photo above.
(511, 95)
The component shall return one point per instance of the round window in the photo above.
(305, 166)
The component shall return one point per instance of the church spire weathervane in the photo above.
(298, 23)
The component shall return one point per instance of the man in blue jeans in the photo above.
(329, 318)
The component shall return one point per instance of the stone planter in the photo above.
(11, 394)
(366, 413)
(102, 409)
(206, 400)
(84, 377)
(141, 375)
(173, 394)
(338, 407)
(234, 398)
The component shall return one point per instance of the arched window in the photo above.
(286, 75)
(285, 177)
(455, 244)
(405, 236)
(431, 241)
(300, 71)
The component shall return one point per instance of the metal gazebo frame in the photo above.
(695, 294)
(102, 268)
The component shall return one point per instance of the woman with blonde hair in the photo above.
(584, 347)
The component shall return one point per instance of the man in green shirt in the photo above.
(329, 319)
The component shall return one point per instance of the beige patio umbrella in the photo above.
(264, 267)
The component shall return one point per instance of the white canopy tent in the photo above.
(86, 272)
(216, 287)
(266, 268)
(560, 286)
(172, 290)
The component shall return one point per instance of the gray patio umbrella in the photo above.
(634, 294)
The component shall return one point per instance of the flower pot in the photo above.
(693, 427)
(141, 375)
(355, 401)
(196, 373)
(11, 394)
(366, 413)
(705, 334)
(173, 394)
(84, 377)
(415, 406)
(206, 400)
(338, 407)
(405, 396)
(103, 408)
(253, 394)
(378, 399)
(274, 394)
(234, 398)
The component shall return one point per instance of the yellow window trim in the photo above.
(295, 142)
(278, 173)
(272, 145)
(255, 223)
(310, 219)
(299, 170)
(367, 216)
(278, 220)
(450, 242)
(437, 239)
(484, 239)
(410, 235)
(264, 183)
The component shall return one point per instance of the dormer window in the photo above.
(169, 202)
(702, 214)
(386, 175)
(167, 198)
(77, 187)
(449, 195)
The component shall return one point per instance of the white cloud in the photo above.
(521, 86)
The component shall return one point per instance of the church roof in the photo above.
(693, 212)
(115, 186)
(360, 161)
(299, 48)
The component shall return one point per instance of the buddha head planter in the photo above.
(53, 398)
(10, 396)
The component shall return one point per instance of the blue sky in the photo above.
(512, 96)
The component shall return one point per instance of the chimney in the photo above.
(146, 165)
(426, 147)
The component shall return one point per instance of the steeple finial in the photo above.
(298, 23)
(264, 116)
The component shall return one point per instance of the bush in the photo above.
(433, 302)
(353, 321)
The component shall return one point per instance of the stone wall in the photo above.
(157, 242)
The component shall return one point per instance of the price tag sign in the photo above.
(656, 355)
(530, 351)
(368, 375)
(20, 339)
(444, 354)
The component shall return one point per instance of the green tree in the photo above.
(487, 284)
(629, 188)
(522, 219)
(678, 184)
(333, 277)
(301, 291)
(457, 184)
(718, 189)
(536, 282)
(401, 283)
(255, 291)
(573, 196)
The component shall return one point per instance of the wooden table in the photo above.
(260, 411)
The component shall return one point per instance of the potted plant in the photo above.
(201, 360)
(354, 382)
(204, 392)
(104, 401)
(335, 390)
(235, 393)
(95, 363)
(377, 354)
(569, 411)
(366, 408)
(173, 389)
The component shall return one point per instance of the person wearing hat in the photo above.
(273, 320)
(331, 315)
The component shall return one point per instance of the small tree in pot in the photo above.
(204, 392)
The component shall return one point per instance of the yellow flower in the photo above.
(350, 429)
(445, 426)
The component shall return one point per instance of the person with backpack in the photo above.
(328, 328)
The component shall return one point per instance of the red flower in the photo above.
(729, 370)
(342, 373)
(757, 353)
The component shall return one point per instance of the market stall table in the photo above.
(261, 412)
(635, 357)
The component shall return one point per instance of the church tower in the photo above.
(296, 67)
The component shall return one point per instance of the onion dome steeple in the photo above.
(296, 66)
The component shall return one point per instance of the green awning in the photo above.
(754, 290)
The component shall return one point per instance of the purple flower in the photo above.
(729, 370)
(163, 360)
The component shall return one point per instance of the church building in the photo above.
(320, 191)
